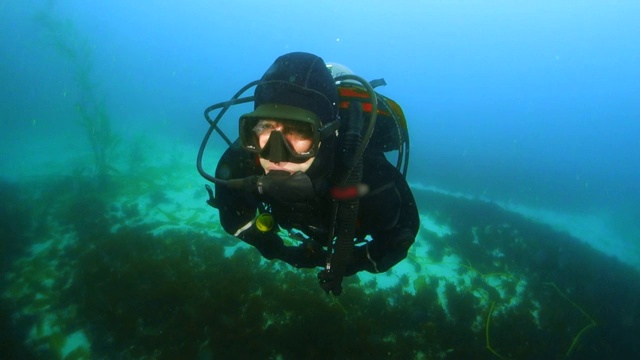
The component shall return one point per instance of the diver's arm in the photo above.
(307, 255)
(384, 251)
(391, 217)
(238, 209)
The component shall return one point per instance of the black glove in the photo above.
(309, 254)
(330, 281)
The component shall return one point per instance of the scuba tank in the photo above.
(390, 132)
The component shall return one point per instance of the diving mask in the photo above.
(281, 133)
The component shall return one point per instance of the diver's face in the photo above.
(285, 166)
(299, 142)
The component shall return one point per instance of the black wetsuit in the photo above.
(387, 213)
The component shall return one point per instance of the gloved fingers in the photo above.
(330, 282)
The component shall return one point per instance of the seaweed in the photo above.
(16, 228)
(93, 116)
(15, 223)
(148, 290)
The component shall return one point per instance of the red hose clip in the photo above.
(348, 192)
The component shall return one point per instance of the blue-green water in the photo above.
(523, 131)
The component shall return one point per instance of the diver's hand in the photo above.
(286, 187)
(330, 282)
(314, 251)
(309, 254)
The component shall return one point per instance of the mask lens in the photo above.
(301, 138)
(298, 135)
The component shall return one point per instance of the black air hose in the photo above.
(347, 209)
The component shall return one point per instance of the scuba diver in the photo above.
(310, 159)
